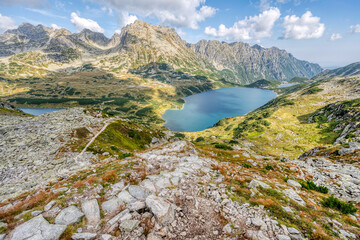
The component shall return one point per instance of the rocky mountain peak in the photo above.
(144, 30)
(87, 35)
(62, 31)
(257, 46)
(30, 31)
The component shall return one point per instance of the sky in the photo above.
(326, 32)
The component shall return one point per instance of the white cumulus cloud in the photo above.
(305, 27)
(6, 23)
(81, 23)
(179, 13)
(125, 19)
(254, 27)
(54, 26)
(355, 28)
(335, 36)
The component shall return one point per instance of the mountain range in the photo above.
(140, 44)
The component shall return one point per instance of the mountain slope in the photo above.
(245, 64)
(349, 70)
(282, 126)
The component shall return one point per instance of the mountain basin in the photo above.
(203, 110)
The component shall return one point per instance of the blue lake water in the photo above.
(39, 111)
(203, 110)
(287, 85)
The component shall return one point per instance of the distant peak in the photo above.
(25, 24)
(86, 30)
(257, 46)
(140, 22)
(29, 25)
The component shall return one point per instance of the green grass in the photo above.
(121, 136)
(313, 90)
(4, 111)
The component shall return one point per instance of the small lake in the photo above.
(39, 111)
(287, 85)
(203, 110)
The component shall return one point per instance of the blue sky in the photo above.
(321, 31)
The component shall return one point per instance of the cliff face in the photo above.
(245, 64)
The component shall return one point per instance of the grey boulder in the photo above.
(294, 196)
(162, 209)
(111, 205)
(138, 192)
(69, 215)
(256, 183)
(125, 197)
(129, 225)
(83, 236)
(37, 229)
(92, 211)
(294, 184)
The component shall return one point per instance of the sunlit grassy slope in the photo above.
(286, 131)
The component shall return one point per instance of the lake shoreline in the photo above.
(201, 111)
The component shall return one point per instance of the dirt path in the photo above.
(93, 139)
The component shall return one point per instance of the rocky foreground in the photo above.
(168, 192)
(182, 198)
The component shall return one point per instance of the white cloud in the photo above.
(125, 19)
(355, 28)
(266, 4)
(81, 23)
(45, 13)
(54, 26)
(305, 27)
(108, 10)
(6, 23)
(181, 32)
(249, 28)
(179, 13)
(31, 3)
(335, 36)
